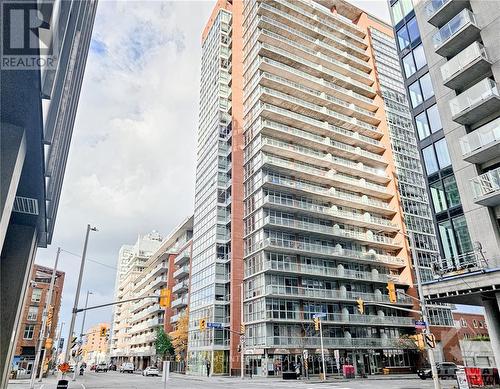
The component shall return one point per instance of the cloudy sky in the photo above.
(132, 160)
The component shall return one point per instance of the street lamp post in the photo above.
(77, 294)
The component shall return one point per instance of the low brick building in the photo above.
(31, 318)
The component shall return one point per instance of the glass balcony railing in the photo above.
(482, 91)
(462, 60)
(446, 32)
(481, 138)
(486, 184)
(434, 6)
(308, 341)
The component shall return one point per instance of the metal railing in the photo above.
(486, 183)
(433, 6)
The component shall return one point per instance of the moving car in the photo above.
(150, 370)
(127, 367)
(444, 369)
(101, 367)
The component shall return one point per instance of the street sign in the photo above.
(430, 340)
(215, 325)
(320, 314)
(462, 379)
(64, 367)
(420, 324)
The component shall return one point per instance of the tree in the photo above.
(180, 336)
(163, 343)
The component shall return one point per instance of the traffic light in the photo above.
(165, 298)
(50, 315)
(48, 344)
(103, 331)
(242, 328)
(418, 340)
(203, 324)
(361, 305)
(73, 342)
(392, 292)
(316, 323)
(239, 347)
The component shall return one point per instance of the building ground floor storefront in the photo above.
(273, 362)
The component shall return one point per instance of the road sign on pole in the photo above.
(420, 324)
(215, 325)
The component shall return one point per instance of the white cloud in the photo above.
(132, 159)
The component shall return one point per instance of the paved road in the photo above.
(114, 380)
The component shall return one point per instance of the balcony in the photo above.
(325, 272)
(180, 302)
(183, 257)
(457, 34)
(180, 287)
(482, 144)
(486, 188)
(476, 103)
(331, 294)
(314, 342)
(346, 318)
(467, 66)
(181, 272)
(440, 12)
(293, 246)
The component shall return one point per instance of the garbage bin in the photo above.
(62, 384)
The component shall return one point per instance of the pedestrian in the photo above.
(208, 367)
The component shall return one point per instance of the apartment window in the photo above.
(29, 330)
(413, 32)
(32, 313)
(409, 65)
(451, 191)
(397, 12)
(36, 295)
(462, 233)
(442, 153)
(438, 196)
(419, 55)
(403, 38)
(481, 324)
(430, 161)
(434, 118)
(415, 94)
(474, 323)
(423, 128)
(426, 86)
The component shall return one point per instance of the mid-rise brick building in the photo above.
(31, 318)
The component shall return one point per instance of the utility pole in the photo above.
(59, 336)
(430, 353)
(77, 294)
(41, 336)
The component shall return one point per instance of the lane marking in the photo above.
(83, 386)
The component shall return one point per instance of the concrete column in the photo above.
(18, 253)
(492, 315)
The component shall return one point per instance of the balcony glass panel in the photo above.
(434, 6)
(483, 90)
(486, 183)
(462, 60)
(481, 137)
(452, 27)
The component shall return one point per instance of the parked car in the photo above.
(92, 368)
(127, 367)
(150, 370)
(101, 367)
(444, 370)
